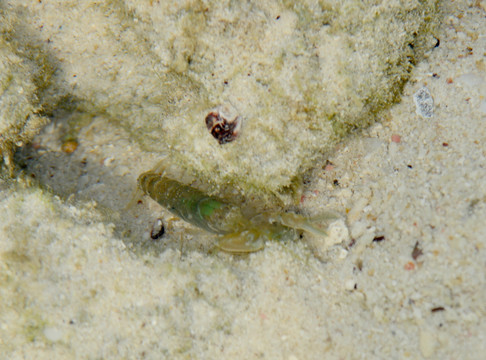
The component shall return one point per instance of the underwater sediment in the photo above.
(297, 77)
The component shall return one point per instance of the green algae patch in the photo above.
(24, 77)
(300, 76)
(19, 106)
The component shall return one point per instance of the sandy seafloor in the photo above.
(81, 278)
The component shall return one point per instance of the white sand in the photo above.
(74, 286)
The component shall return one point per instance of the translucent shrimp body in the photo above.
(236, 233)
(192, 205)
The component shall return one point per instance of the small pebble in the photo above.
(349, 284)
(157, 229)
(438, 308)
(108, 161)
(69, 146)
(337, 233)
(424, 103)
(343, 254)
(378, 238)
(417, 251)
(396, 138)
(409, 266)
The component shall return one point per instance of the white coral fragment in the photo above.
(424, 103)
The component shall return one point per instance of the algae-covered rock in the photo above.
(298, 74)
(20, 77)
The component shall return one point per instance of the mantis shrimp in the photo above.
(237, 233)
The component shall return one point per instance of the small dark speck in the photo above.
(437, 43)
(379, 238)
(335, 182)
(225, 82)
(438, 308)
(472, 206)
(278, 17)
(75, 75)
(71, 322)
(444, 144)
(435, 75)
(410, 166)
(355, 286)
(417, 251)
